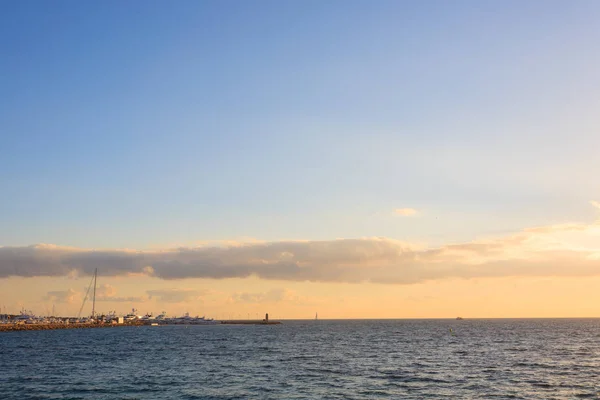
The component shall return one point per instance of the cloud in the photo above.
(63, 296)
(272, 296)
(279, 295)
(116, 299)
(405, 212)
(557, 250)
(108, 293)
(595, 204)
(106, 290)
(175, 295)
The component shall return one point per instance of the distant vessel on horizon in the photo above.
(316, 316)
(459, 318)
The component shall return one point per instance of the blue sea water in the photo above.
(396, 359)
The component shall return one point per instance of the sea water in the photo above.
(357, 359)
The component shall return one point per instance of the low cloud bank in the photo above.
(108, 293)
(175, 295)
(63, 296)
(561, 250)
(272, 296)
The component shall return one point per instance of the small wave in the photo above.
(533, 365)
(415, 379)
(539, 384)
(588, 395)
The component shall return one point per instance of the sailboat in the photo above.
(94, 278)
(316, 316)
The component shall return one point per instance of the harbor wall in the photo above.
(45, 327)
(11, 327)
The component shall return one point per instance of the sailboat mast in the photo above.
(94, 300)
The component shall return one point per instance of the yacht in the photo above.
(187, 320)
(132, 316)
(148, 317)
(26, 317)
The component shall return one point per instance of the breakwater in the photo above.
(250, 322)
(47, 327)
(50, 326)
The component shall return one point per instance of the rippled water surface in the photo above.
(398, 359)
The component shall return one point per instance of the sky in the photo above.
(377, 159)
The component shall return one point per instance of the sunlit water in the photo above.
(398, 359)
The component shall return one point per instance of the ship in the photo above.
(132, 316)
(187, 320)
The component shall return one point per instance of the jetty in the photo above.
(53, 326)
(12, 327)
(16, 324)
(249, 322)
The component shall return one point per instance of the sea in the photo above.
(337, 359)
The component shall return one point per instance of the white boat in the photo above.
(26, 317)
(161, 317)
(187, 320)
(148, 317)
(132, 316)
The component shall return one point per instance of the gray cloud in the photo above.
(533, 252)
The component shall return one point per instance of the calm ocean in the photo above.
(399, 359)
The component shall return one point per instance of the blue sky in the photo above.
(146, 123)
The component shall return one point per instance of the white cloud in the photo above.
(63, 296)
(595, 204)
(405, 212)
(108, 293)
(106, 290)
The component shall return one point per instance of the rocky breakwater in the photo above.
(46, 327)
